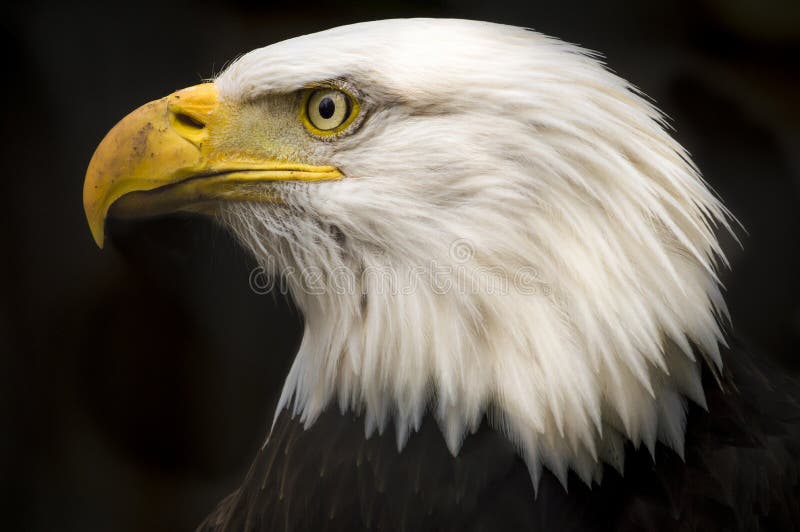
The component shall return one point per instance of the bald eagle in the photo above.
(508, 272)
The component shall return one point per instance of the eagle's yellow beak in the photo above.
(177, 153)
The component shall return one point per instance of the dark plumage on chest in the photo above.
(740, 473)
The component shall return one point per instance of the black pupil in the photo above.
(326, 107)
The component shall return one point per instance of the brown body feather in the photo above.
(741, 472)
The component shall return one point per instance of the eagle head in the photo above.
(476, 220)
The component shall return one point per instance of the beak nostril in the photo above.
(188, 121)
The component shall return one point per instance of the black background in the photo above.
(138, 382)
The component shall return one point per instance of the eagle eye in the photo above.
(328, 111)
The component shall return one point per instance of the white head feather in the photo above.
(551, 247)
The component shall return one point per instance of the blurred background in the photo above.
(138, 382)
